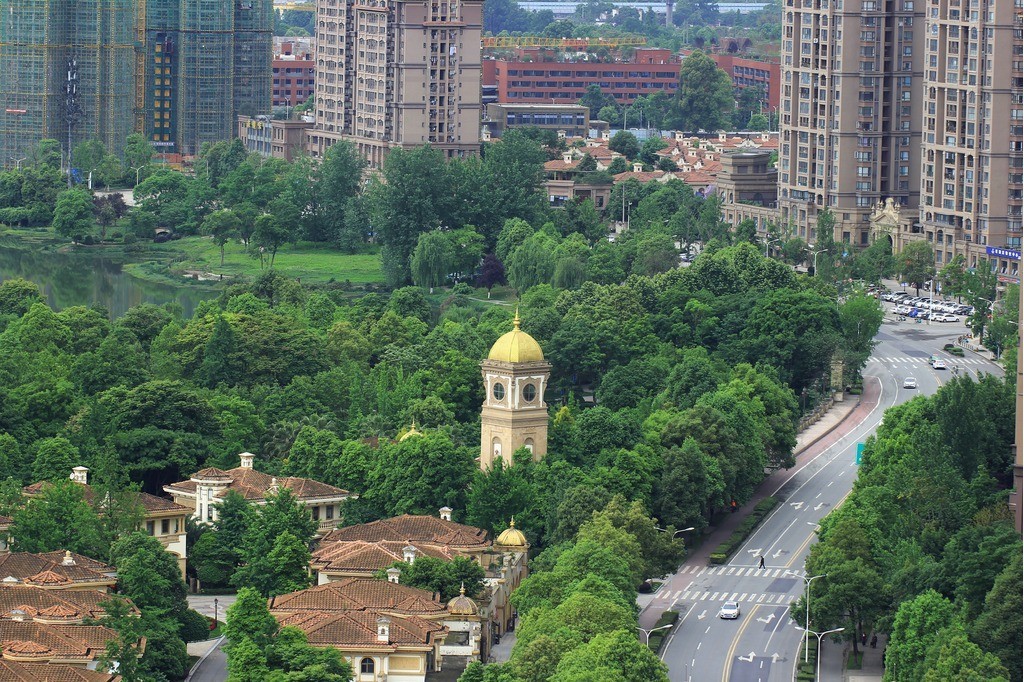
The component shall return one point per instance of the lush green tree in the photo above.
(17, 296)
(222, 225)
(250, 619)
(337, 181)
(916, 263)
(915, 629)
(997, 630)
(704, 100)
(138, 153)
(447, 578)
(615, 655)
(954, 657)
(595, 100)
(222, 363)
(72, 216)
(531, 263)
(432, 259)
(269, 234)
(56, 518)
(270, 563)
(625, 143)
(421, 474)
(54, 459)
(247, 662)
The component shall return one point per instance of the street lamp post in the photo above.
(807, 602)
(768, 242)
(137, 171)
(683, 530)
(17, 162)
(214, 612)
(647, 633)
(819, 635)
(816, 260)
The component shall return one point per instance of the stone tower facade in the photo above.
(514, 413)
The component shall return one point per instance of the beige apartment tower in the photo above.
(971, 163)
(398, 73)
(514, 414)
(850, 111)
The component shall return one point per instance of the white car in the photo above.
(947, 318)
(939, 364)
(910, 382)
(730, 610)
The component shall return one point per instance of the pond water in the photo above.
(85, 278)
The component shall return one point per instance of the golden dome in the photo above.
(516, 346)
(410, 433)
(511, 536)
(462, 605)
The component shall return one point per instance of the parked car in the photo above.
(946, 317)
(910, 382)
(729, 610)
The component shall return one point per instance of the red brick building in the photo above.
(528, 80)
(294, 76)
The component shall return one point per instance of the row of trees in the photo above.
(924, 548)
(577, 609)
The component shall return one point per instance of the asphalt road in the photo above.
(762, 645)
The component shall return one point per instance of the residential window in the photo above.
(366, 666)
(151, 527)
(316, 513)
(329, 512)
(165, 526)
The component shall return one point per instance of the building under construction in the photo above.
(179, 71)
(67, 72)
(206, 62)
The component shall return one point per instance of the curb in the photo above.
(827, 432)
(192, 670)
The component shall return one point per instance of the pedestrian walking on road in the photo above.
(874, 641)
(761, 563)
(863, 639)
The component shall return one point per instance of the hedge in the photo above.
(740, 535)
(656, 639)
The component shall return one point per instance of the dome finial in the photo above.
(462, 589)
(515, 320)
(512, 522)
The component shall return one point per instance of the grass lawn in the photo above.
(310, 263)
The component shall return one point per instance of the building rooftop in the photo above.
(12, 671)
(363, 556)
(51, 606)
(358, 630)
(59, 570)
(33, 641)
(254, 485)
(415, 530)
(360, 594)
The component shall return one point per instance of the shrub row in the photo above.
(658, 638)
(739, 536)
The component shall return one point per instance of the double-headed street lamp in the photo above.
(819, 635)
(647, 633)
(816, 258)
(807, 602)
(768, 242)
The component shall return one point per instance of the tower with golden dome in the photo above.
(514, 414)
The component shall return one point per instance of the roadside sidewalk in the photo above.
(835, 656)
(810, 442)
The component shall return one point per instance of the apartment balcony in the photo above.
(326, 526)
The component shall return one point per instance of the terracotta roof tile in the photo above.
(255, 485)
(560, 165)
(359, 594)
(642, 176)
(359, 629)
(57, 604)
(67, 642)
(359, 555)
(13, 671)
(49, 569)
(413, 529)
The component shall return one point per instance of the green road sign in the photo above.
(860, 452)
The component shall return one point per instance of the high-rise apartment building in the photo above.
(206, 62)
(850, 116)
(398, 73)
(66, 71)
(971, 167)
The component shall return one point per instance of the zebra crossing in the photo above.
(739, 597)
(924, 361)
(700, 594)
